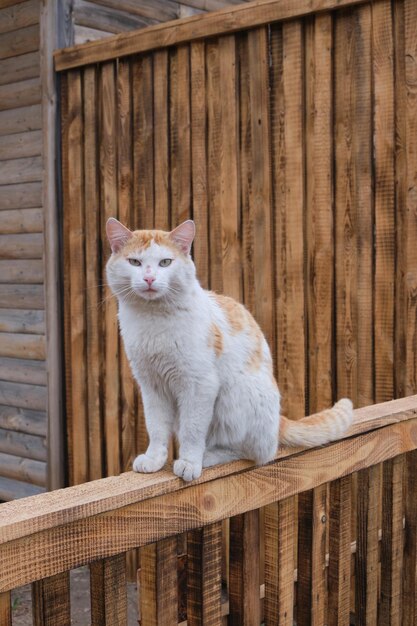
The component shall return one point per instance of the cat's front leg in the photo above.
(159, 416)
(195, 415)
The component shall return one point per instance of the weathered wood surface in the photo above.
(19, 68)
(21, 321)
(19, 94)
(119, 506)
(228, 20)
(11, 489)
(51, 601)
(23, 371)
(20, 271)
(19, 16)
(22, 296)
(20, 196)
(20, 145)
(26, 470)
(23, 420)
(23, 445)
(24, 346)
(109, 591)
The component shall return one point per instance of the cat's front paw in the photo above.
(187, 470)
(146, 464)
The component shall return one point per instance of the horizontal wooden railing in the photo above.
(225, 21)
(45, 536)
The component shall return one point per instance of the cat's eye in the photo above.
(165, 262)
(135, 262)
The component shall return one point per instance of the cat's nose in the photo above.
(149, 280)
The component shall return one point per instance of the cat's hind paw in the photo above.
(146, 464)
(187, 470)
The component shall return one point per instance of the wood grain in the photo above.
(51, 601)
(339, 575)
(244, 606)
(158, 583)
(109, 591)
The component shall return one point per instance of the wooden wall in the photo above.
(23, 377)
(291, 149)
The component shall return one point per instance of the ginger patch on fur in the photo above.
(216, 339)
(236, 314)
(142, 239)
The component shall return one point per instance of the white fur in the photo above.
(219, 408)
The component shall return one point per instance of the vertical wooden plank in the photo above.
(319, 211)
(5, 608)
(125, 197)
(244, 570)
(158, 584)
(229, 180)
(143, 177)
(383, 76)
(204, 587)
(288, 176)
(391, 543)
(409, 576)
(213, 95)
(109, 591)
(199, 161)
(311, 580)
(92, 276)
(108, 195)
(161, 138)
(366, 557)
(279, 562)
(51, 601)
(339, 553)
(260, 191)
(77, 321)
(410, 30)
(180, 163)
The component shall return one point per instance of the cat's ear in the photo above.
(117, 234)
(184, 235)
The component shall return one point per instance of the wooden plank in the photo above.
(227, 21)
(158, 583)
(19, 16)
(229, 198)
(19, 68)
(199, 161)
(51, 601)
(75, 209)
(5, 609)
(21, 272)
(20, 321)
(392, 543)
(114, 493)
(21, 145)
(23, 420)
(319, 211)
(108, 190)
(410, 49)
(279, 562)
(213, 97)
(180, 143)
(25, 170)
(25, 195)
(19, 94)
(83, 34)
(244, 605)
(311, 569)
(204, 584)
(161, 138)
(23, 346)
(26, 246)
(22, 296)
(366, 557)
(21, 221)
(22, 395)
(128, 398)
(94, 353)
(26, 470)
(339, 575)
(23, 371)
(109, 592)
(19, 41)
(20, 120)
(409, 573)
(23, 445)
(287, 104)
(157, 10)
(383, 76)
(14, 489)
(92, 15)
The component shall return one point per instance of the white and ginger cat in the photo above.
(202, 363)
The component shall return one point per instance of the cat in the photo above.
(201, 361)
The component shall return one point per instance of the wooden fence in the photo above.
(43, 537)
(287, 131)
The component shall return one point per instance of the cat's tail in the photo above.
(316, 430)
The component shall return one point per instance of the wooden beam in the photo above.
(189, 506)
(21, 321)
(109, 592)
(23, 420)
(226, 21)
(51, 601)
(22, 345)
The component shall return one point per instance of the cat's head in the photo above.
(150, 264)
